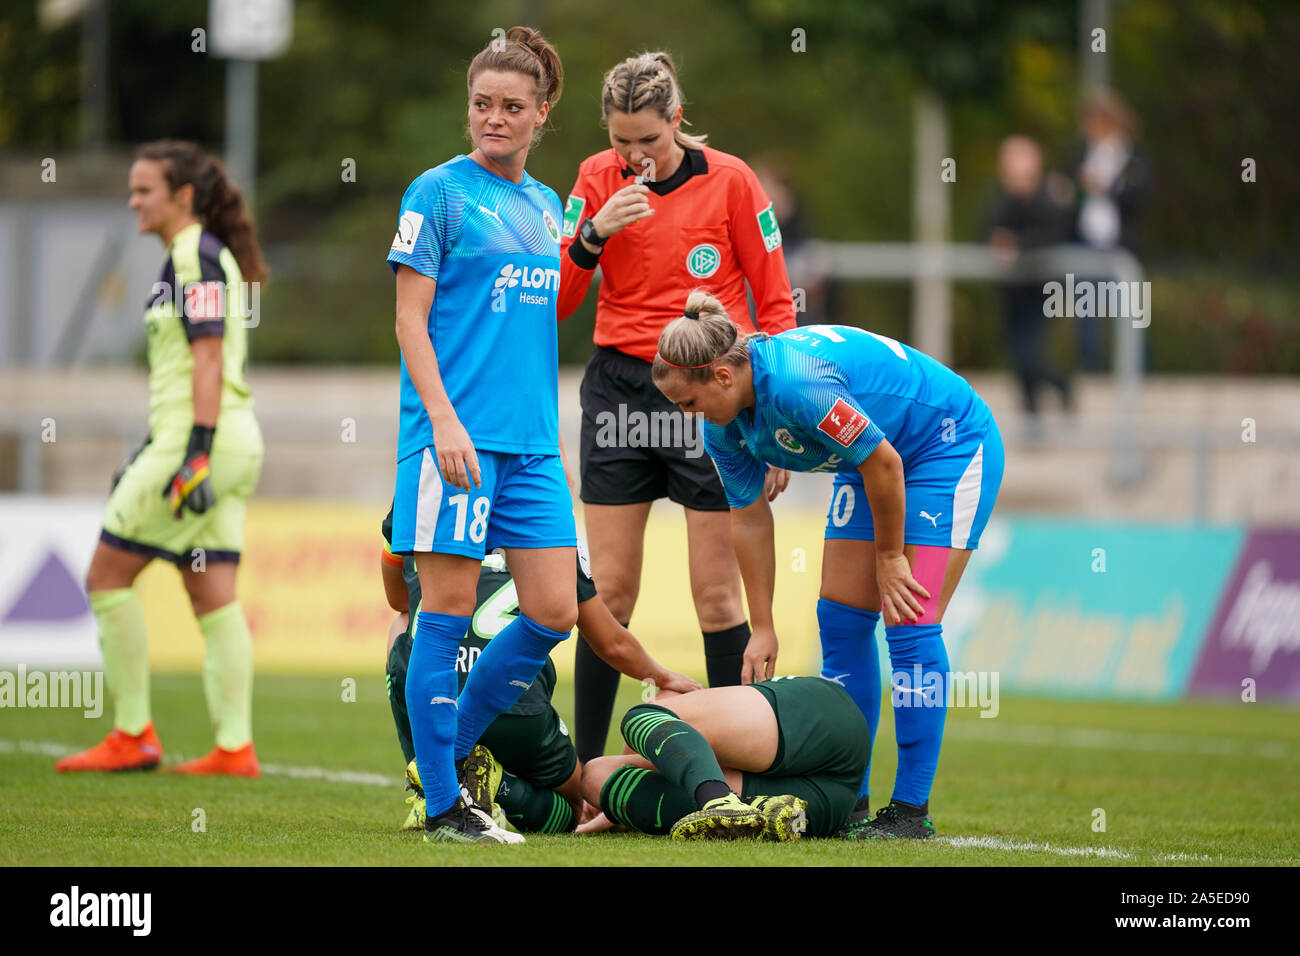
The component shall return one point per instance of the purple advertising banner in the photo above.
(1256, 629)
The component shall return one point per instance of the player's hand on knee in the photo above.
(673, 682)
(457, 459)
(775, 482)
(760, 656)
(899, 591)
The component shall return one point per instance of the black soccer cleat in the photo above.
(898, 821)
(855, 828)
(461, 823)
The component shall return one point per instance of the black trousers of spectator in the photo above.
(1027, 330)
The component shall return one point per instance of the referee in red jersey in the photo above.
(661, 214)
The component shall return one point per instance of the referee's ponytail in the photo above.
(704, 336)
(217, 201)
(523, 50)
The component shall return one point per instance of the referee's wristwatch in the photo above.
(589, 234)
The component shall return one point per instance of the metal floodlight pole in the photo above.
(241, 126)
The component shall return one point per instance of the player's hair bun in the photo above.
(700, 338)
(524, 50)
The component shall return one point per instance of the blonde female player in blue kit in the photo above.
(896, 428)
(477, 260)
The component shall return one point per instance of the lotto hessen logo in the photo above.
(573, 215)
(843, 423)
(767, 225)
(552, 229)
(524, 277)
(703, 260)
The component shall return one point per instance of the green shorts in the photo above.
(536, 747)
(138, 520)
(822, 750)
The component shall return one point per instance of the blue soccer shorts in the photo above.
(523, 502)
(950, 494)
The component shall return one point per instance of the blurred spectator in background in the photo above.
(809, 274)
(1113, 179)
(1028, 213)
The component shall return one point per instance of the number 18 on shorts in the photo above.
(523, 502)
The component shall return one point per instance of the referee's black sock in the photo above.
(724, 654)
(595, 687)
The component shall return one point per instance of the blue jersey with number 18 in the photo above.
(826, 397)
(493, 247)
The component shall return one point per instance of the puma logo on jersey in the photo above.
(490, 212)
(443, 700)
(519, 683)
(933, 519)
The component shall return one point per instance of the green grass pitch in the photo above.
(1179, 784)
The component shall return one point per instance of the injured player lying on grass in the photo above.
(525, 771)
(772, 760)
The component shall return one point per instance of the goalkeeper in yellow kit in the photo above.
(182, 495)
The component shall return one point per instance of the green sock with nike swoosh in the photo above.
(677, 750)
(644, 800)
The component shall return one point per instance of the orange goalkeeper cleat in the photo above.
(229, 763)
(117, 751)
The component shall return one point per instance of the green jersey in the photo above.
(199, 293)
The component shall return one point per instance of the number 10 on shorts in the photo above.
(477, 526)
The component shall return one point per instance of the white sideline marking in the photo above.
(992, 843)
(46, 748)
(1102, 852)
(1092, 738)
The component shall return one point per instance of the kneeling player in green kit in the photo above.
(525, 762)
(771, 760)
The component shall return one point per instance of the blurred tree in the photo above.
(826, 87)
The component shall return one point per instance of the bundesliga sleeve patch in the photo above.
(408, 229)
(205, 301)
(843, 423)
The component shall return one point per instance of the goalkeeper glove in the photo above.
(191, 485)
(127, 462)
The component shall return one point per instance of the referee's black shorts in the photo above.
(638, 446)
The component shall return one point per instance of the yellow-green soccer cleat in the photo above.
(480, 774)
(726, 818)
(786, 817)
(414, 819)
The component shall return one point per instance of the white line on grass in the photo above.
(1102, 852)
(1092, 738)
(46, 748)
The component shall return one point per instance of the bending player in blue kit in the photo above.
(897, 429)
(477, 259)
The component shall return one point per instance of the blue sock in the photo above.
(851, 658)
(919, 692)
(510, 662)
(431, 704)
